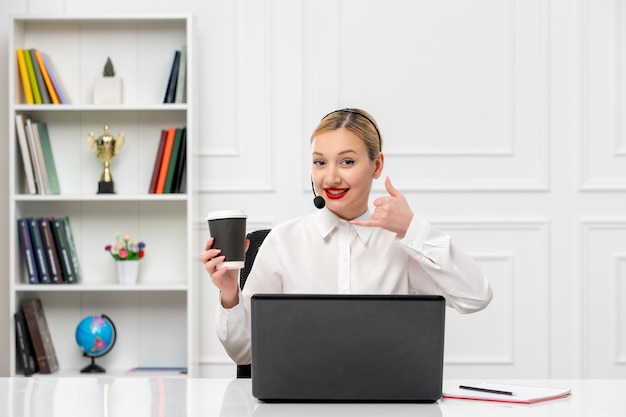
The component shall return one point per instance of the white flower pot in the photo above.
(127, 271)
(107, 90)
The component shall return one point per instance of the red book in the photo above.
(157, 162)
(167, 153)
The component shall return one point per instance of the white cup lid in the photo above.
(226, 214)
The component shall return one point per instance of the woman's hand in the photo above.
(392, 212)
(226, 280)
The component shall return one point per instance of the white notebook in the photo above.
(525, 394)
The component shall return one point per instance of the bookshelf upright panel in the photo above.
(153, 317)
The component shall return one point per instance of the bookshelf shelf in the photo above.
(154, 317)
(29, 288)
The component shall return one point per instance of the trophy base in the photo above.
(105, 187)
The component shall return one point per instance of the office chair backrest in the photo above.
(256, 238)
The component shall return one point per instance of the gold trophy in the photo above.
(106, 147)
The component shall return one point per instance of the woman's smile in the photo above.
(335, 193)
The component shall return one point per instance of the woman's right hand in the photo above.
(226, 280)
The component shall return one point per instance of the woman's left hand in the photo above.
(392, 212)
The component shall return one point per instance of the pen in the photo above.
(492, 391)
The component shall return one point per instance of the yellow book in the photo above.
(28, 92)
(46, 78)
(31, 76)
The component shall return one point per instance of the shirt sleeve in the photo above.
(440, 267)
(233, 331)
(233, 325)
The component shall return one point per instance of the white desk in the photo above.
(177, 397)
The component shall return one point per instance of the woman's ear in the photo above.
(379, 164)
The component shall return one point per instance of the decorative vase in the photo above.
(127, 271)
(108, 90)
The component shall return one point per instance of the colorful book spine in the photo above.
(40, 334)
(45, 97)
(157, 162)
(28, 251)
(180, 164)
(46, 78)
(170, 96)
(25, 151)
(28, 91)
(52, 255)
(48, 157)
(31, 76)
(171, 169)
(54, 78)
(167, 153)
(39, 251)
(62, 245)
(181, 88)
(24, 345)
(78, 273)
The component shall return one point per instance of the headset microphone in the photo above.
(318, 201)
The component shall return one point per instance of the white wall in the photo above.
(502, 123)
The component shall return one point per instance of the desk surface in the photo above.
(169, 397)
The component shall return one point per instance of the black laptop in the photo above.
(352, 348)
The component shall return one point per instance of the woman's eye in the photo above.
(318, 163)
(347, 162)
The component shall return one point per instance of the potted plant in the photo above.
(108, 88)
(127, 254)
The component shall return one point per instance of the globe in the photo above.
(96, 336)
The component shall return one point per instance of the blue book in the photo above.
(28, 251)
(39, 251)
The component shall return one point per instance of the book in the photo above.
(34, 153)
(157, 162)
(181, 88)
(21, 65)
(48, 157)
(40, 334)
(41, 161)
(524, 394)
(54, 78)
(62, 245)
(24, 345)
(165, 162)
(180, 164)
(31, 76)
(171, 168)
(39, 251)
(52, 255)
(170, 92)
(43, 91)
(46, 78)
(78, 273)
(26, 157)
(28, 252)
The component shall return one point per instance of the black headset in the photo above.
(318, 201)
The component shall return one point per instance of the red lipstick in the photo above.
(335, 193)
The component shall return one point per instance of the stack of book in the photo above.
(40, 81)
(35, 349)
(174, 90)
(37, 157)
(48, 250)
(168, 174)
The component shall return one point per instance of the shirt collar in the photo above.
(327, 221)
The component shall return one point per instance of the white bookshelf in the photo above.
(153, 318)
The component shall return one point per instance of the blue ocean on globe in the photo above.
(95, 335)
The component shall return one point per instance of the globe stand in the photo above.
(92, 368)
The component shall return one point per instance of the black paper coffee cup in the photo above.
(228, 229)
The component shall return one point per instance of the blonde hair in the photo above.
(357, 121)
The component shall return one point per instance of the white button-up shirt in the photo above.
(324, 254)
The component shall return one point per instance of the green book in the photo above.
(46, 147)
(171, 168)
(31, 76)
